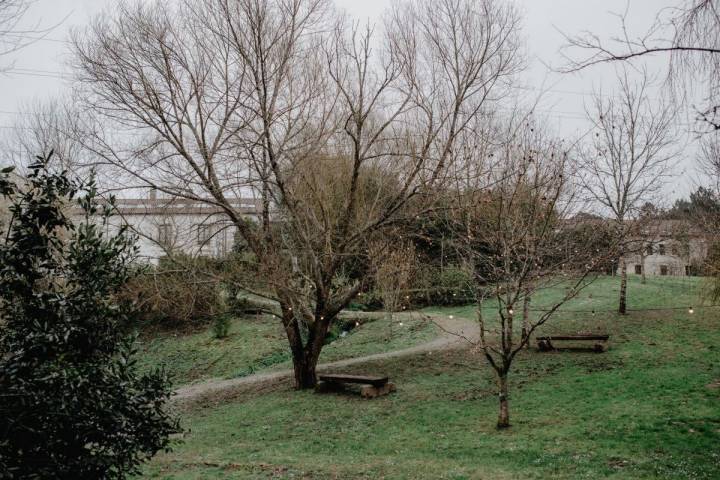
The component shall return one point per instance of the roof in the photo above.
(183, 206)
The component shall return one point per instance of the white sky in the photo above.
(37, 71)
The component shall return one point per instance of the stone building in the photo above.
(668, 247)
(165, 225)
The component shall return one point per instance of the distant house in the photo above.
(668, 247)
(177, 225)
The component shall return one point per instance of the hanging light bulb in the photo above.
(510, 310)
(450, 317)
(401, 324)
(691, 310)
(357, 324)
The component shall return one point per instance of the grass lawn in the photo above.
(647, 408)
(258, 343)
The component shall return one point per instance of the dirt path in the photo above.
(456, 333)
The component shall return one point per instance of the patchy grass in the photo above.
(258, 343)
(594, 309)
(642, 410)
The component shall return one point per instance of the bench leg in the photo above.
(326, 387)
(371, 391)
(544, 345)
(600, 347)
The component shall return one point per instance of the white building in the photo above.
(165, 225)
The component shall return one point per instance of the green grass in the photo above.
(641, 410)
(258, 343)
(658, 294)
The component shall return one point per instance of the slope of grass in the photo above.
(645, 409)
(259, 343)
(594, 309)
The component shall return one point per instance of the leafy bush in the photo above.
(72, 404)
(367, 301)
(451, 285)
(221, 326)
(178, 291)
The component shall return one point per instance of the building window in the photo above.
(164, 234)
(688, 270)
(204, 232)
(661, 249)
(649, 250)
(638, 269)
(663, 270)
(221, 242)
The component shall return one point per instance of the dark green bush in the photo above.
(221, 326)
(72, 403)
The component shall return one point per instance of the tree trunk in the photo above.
(304, 359)
(304, 369)
(643, 279)
(622, 308)
(526, 319)
(504, 415)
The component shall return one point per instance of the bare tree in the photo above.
(11, 38)
(709, 158)
(46, 126)
(285, 101)
(628, 158)
(515, 218)
(689, 34)
(394, 266)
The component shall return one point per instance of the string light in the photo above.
(510, 310)
(450, 317)
(401, 324)
(691, 310)
(357, 324)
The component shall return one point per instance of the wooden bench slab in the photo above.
(603, 338)
(375, 381)
(371, 386)
(600, 341)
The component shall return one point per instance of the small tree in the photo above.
(628, 159)
(72, 404)
(512, 220)
(394, 271)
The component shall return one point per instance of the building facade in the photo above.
(175, 225)
(668, 247)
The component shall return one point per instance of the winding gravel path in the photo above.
(456, 333)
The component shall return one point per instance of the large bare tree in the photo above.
(628, 158)
(333, 127)
(689, 34)
(11, 37)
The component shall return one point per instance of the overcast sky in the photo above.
(40, 70)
